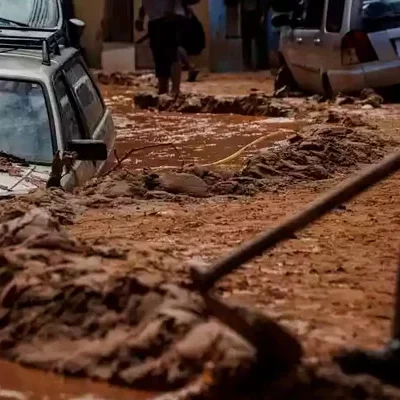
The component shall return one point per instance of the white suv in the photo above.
(342, 45)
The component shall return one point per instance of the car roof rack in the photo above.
(49, 45)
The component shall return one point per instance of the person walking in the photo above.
(254, 29)
(191, 39)
(164, 19)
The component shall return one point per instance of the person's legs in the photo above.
(160, 55)
(187, 65)
(247, 39)
(184, 59)
(172, 50)
(261, 46)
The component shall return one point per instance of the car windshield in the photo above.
(24, 122)
(37, 14)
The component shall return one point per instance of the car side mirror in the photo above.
(76, 28)
(88, 149)
(281, 20)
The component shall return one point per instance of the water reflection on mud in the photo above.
(18, 383)
(200, 138)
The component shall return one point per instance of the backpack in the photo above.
(189, 2)
(193, 38)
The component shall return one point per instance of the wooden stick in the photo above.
(204, 279)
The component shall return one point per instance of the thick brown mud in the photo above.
(75, 304)
(19, 383)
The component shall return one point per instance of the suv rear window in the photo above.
(380, 14)
(37, 14)
(89, 100)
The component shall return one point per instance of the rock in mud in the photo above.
(182, 183)
(97, 316)
(375, 101)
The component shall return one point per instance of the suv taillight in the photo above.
(357, 48)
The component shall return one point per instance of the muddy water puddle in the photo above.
(198, 138)
(18, 383)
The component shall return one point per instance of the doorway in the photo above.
(118, 36)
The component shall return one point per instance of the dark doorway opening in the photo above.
(119, 21)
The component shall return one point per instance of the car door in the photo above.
(93, 119)
(72, 128)
(307, 42)
(96, 118)
(335, 26)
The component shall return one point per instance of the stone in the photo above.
(182, 183)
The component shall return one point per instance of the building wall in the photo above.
(225, 52)
(202, 11)
(92, 13)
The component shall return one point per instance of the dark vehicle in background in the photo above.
(341, 45)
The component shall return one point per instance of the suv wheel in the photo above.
(284, 78)
(326, 85)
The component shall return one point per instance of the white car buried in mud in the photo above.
(50, 109)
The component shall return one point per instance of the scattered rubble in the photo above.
(135, 80)
(257, 104)
(340, 118)
(61, 205)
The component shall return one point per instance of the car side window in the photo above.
(334, 16)
(89, 100)
(314, 14)
(68, 112)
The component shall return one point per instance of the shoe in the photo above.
(192, 75)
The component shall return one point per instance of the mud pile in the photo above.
(315, 153)
(62, 206)
(142, 81)
(10, 165)
(84, 311)
(343, 119)
(256, 104)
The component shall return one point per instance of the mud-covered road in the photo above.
(332, 285)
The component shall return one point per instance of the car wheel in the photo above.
(284, 78)
(326, 85)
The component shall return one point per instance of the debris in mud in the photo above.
(257, 104)
(307, 383)
(61, 205)
(128, 79)
(10, 166)
(64, 308)
(340, 118)
(317, 152)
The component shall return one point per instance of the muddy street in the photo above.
(101, 290)
(333, 284)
